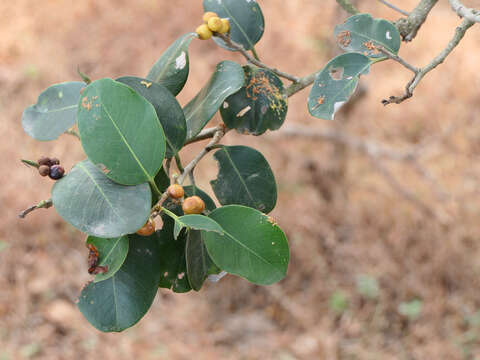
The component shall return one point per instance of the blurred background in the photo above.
(385, 251)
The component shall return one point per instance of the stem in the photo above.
(73, 133)
(254, 53)
(44, 204)
(408, 27)
(169, 213)
(155, 187)
(391, 6)
(472, 15)
(178, 162)
(254, 60)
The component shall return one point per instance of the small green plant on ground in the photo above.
(132, 130)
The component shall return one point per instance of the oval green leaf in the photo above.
(169, 111)
(257, 106)
(244, 178)
(199, 263)
(362, 33)
(119, 302)
(227, 79)
(335, 84)
(54, 113)
(246, 20)
(120, 132)
(253, 246)
(96, 205)
(171, 70)
(112, 253)
(196, 222)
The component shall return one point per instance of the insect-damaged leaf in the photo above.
(362, 33)
(96, 205)
(246, 20)
(112, 253)
(120, 131)
(244, 178)
(171, 70)
(119, 302)
(335, 84)
(259, 105)
(54, 113)
(226, 80)
(253, 246)
(169, 111)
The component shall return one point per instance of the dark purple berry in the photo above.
(56, 172)
(44, 170)
(54, 161)
(44, 161)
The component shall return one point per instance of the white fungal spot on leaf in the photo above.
(60, 94)
(388, 36)
(225, 105)
(181, 61)
(244, 111)
(336, 73)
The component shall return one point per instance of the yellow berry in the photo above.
(193, 205)
(208, 15)
(204, 32)
(215, 24)
(225, 26)
(175, 191)
(147, 229)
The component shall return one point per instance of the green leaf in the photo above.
(119, 302)
(96, 205)
(191, 190)
(336, 83)
(199, 263)
(253, 246)
(361, 33)
(169, 111)
(246, 20)
(196, 222)
(54, 113)
(244, 178)
(258, 106)
(367, 286)
(227, 79)
(120, 132)
(112, 253)
(171, 70)
(412, 309)
(173, 274)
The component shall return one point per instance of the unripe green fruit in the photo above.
(193, 205)
(175, 191)
(215, 24)
(204, 32)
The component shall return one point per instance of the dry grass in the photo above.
(342, 218)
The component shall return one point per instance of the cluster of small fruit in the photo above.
(190, 205)
(212, 24)
(51, 167)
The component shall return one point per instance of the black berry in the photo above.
(56, 172)
(44, 170)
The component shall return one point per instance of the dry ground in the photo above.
(342, 218)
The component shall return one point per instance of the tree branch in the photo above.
(44, 204)
(218, 135)
(408, 27)
(472, 15)
(412, 84)
(253, 60)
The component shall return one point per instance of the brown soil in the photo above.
(342, 217)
